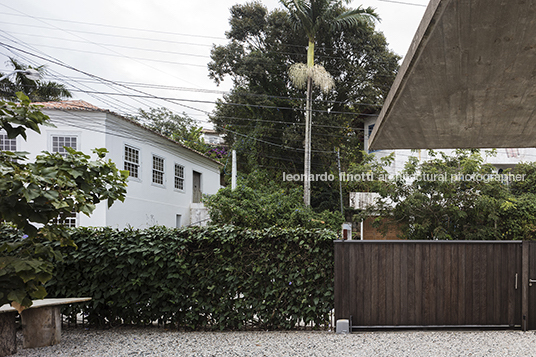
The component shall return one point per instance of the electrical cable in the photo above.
(403, 3)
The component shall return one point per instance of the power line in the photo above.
(403, 3)
(109, 35)
(93, 43)
(57, 62)
(109, 26)
(123, 56)
(94, 76)
(172, 99)
(239, 93)
(113, 45)
(71, 31)
(30, 61)
(227, 103)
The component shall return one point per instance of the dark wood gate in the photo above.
(435, 283)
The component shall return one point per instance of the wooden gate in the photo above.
(436, 283)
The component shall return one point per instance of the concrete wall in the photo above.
(503, 159)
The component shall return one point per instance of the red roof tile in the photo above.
(83, 105)
(70, 104)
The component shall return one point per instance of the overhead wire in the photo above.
(17, 41)
(403, 3)
(274, 107)
(232, 103)
(130, 29)
(73, 34)
(239, 93)
(304, 54)
(31, 61)
(228, 130)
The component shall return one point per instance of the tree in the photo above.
(262, 116)
(37, 91)
(258, 203)
(454, 196)
(310, 15)
(180, 128)
(35, 195)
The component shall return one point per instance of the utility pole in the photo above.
(340, 181)
(308, 127)
(233, 171)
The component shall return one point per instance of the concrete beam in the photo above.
(468, 80)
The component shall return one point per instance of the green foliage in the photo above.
(259, 203)
(36, 90)
(180, 128)
(518, 217)
(528, 184)
(25, 265)
(33, 195)
(263, 115)
(433, 201)
(16, 118)
(213, 277)
(372, 174)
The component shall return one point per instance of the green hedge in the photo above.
(214, 277)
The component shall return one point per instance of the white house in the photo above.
(503, 159)
(167, 179)
(212, 137)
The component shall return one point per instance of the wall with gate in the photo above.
(435, 283)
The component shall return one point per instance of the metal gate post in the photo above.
(525, 285)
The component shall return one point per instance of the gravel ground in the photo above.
(160, 342)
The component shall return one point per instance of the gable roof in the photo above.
(80, 105)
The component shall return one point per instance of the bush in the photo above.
(258, 203)
(200, 277)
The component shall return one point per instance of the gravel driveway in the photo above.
(127, 341)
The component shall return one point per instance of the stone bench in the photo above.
(41, 324)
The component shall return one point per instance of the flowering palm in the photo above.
(311, 15)
(36, 90)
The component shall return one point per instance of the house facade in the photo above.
(167, 179)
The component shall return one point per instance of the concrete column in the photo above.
(8, 336)
(41, 326)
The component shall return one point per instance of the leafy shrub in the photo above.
(200, 277)
(258, 203)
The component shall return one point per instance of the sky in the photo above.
(124, 55)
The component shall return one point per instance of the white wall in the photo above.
(146, 203)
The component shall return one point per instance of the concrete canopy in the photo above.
(467, 81)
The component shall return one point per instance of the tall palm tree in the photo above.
(37, 91)
(311, 15)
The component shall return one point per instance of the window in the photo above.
(369, 133)
(7, 144)
(132, 161)
(60, 142)
(179, 177)
(67, 220)
(158, 170)
(178, 219)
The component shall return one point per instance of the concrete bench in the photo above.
(41, 324)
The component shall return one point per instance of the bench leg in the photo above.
(41, 326)
(8, 334)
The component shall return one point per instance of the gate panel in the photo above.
(531, 279)
(429, 283)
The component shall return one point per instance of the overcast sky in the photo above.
(147, 48)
